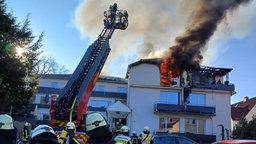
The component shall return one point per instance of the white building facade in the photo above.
(148, 104)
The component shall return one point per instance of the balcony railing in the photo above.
(188, 109)
(109, 94)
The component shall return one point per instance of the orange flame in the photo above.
(168, 70)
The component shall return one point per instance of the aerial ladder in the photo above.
(71, 103)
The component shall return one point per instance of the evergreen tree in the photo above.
(245, 129)
(18, 79)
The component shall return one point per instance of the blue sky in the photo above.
(71, 26)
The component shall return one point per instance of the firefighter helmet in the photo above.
(94, 121)
(26, 124)
(43, 133)
(134, 133)
(146, 130)
(71, 126)
(6, 122)
(124, 129)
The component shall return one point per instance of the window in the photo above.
(196, 99)
(169, 123)
(100, 103)
(195, 126)
(169, 97)
(45, 99)
(45, 117)
(101, 88)
(54, 84)
(120, 89)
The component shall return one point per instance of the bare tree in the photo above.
(48, 65)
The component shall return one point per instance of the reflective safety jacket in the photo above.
(135, 139)
(71, 140)
(146, 138)
(25, 134)
(122, 139)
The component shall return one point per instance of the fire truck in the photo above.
(71, 103)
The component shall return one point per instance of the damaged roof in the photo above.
(203, 69)
(215, 70)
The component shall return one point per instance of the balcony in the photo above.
(225, 87)
(187, 109)
(109, 94)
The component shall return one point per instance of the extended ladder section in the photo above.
(79, 87)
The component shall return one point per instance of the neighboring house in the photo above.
(193, 105)
(244, 109)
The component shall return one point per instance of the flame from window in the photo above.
(168, 70)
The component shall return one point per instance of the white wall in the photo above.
(141, 99)
(142, 106)
(145, 74)
(251, 113)
(221, 101)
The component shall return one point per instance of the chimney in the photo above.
(245, 99)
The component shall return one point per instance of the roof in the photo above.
(67, 77)
(203, 69)
(55, 76)
(155, 61)
(118, 110)
(118, 107)
(240, 109)
(238, 113)
(215, 70)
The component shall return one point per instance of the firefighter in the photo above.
(71, 129)
(43, 134)
(113, 8)
(7, 131)
(145, 137)
(134, 138)
(117, 128)
(123, 136)
(97, 130)
(25, 133)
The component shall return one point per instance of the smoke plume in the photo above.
(155, 26)
(204, 21)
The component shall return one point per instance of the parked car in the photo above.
(172, 139)
(236, 142)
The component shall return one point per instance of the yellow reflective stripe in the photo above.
(76, 140)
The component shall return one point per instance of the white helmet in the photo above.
(26, 124)
(71, 126)
(42, 129)
(6, 122)
(94, 121)
(124, 129)
(43, 133)
(146, 130)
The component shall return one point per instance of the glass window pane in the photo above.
(120, 89)
(100, 103)
(101, 88)
(169, 97)
(54, 84)
(196, 99)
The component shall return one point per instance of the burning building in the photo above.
(190, 102)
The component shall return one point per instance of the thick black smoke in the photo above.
(204, 21)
